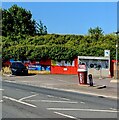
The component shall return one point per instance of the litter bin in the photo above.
(90, 79)
(82, 75)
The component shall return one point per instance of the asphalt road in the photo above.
(24, 101)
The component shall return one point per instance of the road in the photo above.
(24, 101)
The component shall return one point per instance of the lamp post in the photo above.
(117, 55)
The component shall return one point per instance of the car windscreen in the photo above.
(18, 65)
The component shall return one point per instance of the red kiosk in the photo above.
(82, 74)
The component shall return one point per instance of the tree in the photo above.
(41, 29)
(95, 33)
(0, 22)
(17, 21)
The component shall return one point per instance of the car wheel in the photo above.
(13, 73)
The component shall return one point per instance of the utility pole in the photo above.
(117, 55)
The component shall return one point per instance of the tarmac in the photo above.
(102, 87)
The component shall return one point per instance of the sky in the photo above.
(72, 17)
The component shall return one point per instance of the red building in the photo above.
(65, 68)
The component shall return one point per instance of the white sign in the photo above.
(82, 67)
(107, 53)
(65, 69)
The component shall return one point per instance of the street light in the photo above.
(117, 55)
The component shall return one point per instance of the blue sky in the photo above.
(72, 17)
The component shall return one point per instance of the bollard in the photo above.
(90, 79)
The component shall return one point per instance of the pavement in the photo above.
(104, 87)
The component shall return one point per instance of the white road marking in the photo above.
(10, 81)
(63, 98)
(65, 115)
(16, 89)
(89, 110)
(28, 97)
(1, 89)
(113, 109)
(50, 101)
(50, 96)
(1, 101)
(33, 92)
(82, 102)
(57, 97)
(12, 99)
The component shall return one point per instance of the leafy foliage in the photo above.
(18, 21)
(41, 29)
(95, 33)
(57, 47)
(24, 38)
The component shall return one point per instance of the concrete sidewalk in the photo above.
(102, 87)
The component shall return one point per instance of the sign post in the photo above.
(107, 54)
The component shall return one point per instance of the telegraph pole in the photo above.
(117, 55)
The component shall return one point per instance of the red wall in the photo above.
(45, 62)
(112, 67)
(6, 64)
(70, 69)
(41, 62)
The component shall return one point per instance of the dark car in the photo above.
(18, 68)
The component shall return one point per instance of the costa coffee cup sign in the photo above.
(82, 67)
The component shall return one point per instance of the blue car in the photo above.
(18, 68)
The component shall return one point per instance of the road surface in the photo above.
(24, 101)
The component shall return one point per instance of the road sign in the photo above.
(107, 53)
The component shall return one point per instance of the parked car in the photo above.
(18, 68)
